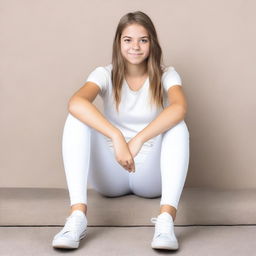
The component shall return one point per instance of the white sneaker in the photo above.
(164, 237)
(73, 231)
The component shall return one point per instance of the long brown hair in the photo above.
(154, 60)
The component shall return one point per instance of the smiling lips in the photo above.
(135, 54)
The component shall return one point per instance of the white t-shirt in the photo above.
(135, 112)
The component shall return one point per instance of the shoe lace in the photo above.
(73, 223)
(162, 225)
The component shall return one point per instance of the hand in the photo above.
(135, 145)
(123, 154)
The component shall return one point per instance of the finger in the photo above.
(128, 169)
(131, 166)
(126, 166)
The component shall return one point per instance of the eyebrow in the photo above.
(139, 37)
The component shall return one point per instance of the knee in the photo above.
(73, 121)
(180, 130)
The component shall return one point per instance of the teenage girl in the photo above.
(141, 143)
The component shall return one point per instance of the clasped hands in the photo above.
(125, 152)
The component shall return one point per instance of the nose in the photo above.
(135, 45)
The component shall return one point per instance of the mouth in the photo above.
(135, 54)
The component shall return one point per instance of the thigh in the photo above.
(146, 181)
(106, 175)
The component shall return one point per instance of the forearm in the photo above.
(168, 118)
(86, 112)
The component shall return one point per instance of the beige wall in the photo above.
(47, 49)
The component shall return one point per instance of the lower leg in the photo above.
(76, 148)
(174, 166)
(170, 209)
(81, 207)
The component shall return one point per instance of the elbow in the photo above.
(184, 108)
(76, 104)
(72, 104)
(181, 108)
(183, 111)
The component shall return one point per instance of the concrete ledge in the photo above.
(198, 206)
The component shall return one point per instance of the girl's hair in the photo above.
(154, 60)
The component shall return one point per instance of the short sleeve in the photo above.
(99, 76)
(170, 78)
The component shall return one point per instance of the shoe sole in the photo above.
(164, 245)
(66, 244)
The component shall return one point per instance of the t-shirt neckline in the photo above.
(137, 91)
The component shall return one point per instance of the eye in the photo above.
(143, 40)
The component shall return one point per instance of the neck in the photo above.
(135, 71)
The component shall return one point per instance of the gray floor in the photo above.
(111, 241)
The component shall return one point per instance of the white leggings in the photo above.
(160, 168)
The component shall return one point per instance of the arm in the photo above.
(169, 117)
(81, 107)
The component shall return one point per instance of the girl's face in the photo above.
(135, 44)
